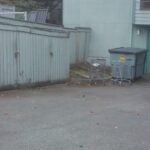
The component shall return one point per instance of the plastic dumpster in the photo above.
(127, 63)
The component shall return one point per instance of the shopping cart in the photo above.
(97, 69)
(122, 73)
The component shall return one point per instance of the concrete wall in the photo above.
(139, 38)
(110, 20)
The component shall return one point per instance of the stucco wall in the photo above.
(139, 38)
(110, 20)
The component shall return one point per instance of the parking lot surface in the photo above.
(65, 117)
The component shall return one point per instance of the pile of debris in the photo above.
(89, 74)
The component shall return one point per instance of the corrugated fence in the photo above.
(79, 42)
(34, 53)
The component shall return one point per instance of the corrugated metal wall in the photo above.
(8, 68)
(79, 42)
(83, 40)
(30, 54)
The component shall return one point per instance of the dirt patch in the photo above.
(80, 75)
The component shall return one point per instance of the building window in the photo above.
(145, 4)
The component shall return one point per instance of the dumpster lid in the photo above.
(127, 50)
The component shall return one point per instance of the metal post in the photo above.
(25, 16)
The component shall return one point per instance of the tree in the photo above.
(32, 4)
(55, 7)
(51, 4)
(21, 4)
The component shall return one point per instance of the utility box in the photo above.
(127, 63)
